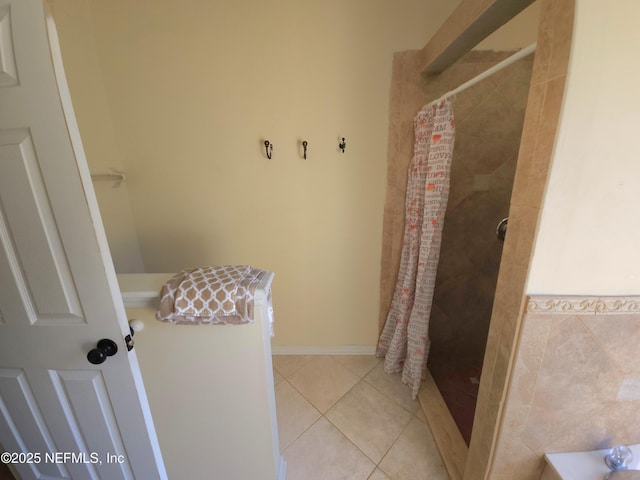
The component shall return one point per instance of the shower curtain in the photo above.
(404, 341)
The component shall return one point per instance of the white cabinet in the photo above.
(210, 388)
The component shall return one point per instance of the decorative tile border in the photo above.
(583, 305)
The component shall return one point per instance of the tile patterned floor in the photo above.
(343, 417)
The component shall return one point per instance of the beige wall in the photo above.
(194, 88)
(588, 236)
(75, 29)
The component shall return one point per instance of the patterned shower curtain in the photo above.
(404, 341)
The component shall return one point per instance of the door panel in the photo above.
(14, 298)
(58, 290)
(49, 293)
(87, 399)
(22, 417)
(8, 74)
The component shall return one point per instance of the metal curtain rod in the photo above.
(487, 73)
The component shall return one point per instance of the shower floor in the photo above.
(459, 390)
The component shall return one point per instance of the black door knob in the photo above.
(105, 348)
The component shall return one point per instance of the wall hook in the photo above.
(304, 146)
(268, 148)
(342, 145)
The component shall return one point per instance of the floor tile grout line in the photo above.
(392, 445)
(320, 415)
(299, 367)
(411, 417)
(389, 397)
(355, 373)
(298, 437)
(377, 465)
(323, 415)
(331, 406)
(360, 380)
(345, 394)
(304, 398)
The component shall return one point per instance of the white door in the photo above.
(58, 290)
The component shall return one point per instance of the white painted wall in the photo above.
(182, 94)
(194, 87)
(589, 236)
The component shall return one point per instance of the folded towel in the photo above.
(210, 295)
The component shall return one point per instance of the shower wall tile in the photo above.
(550, 114)
(485, 449)
(537, 183)
(534, 338)
(475, 154)
(472, 64)
(544, 44)
(571, 386)
(619, 337)
(561, 13)
(536, 146)
(510, 286)
(538, 142)
(536, 149)
(526, 234)
(500, 113)
(466, 104)
(515, 455)
(574, 354)
(527, 337)
(501, 367)
(521, 194)
(484, 56)
(489, 118)
(532, 116)
(406, 98)
(554, 39)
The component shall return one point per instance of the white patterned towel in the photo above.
(210, 295)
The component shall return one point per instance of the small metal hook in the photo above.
(501, 229)
(268, 148)
(304, 146)
(342, 145)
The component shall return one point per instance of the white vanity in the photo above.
(210, 388)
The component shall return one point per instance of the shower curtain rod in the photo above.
(490, 71)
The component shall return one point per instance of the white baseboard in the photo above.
(312, 350)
